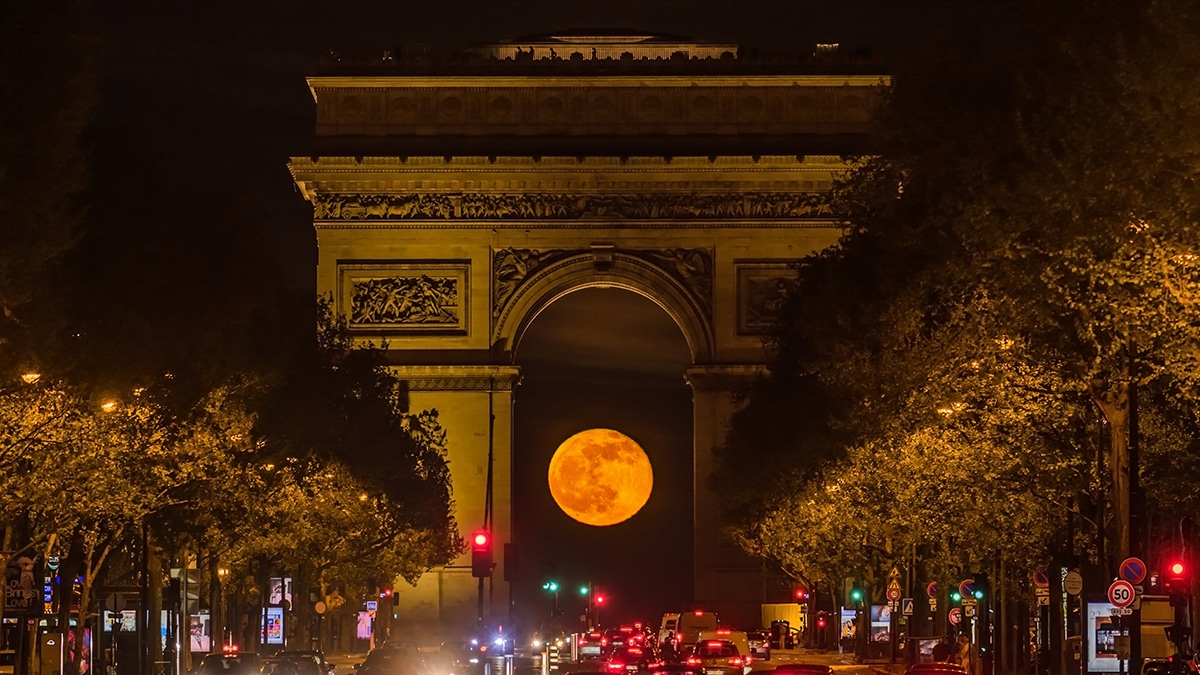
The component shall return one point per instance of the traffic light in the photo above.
(600, 599)
(983, 586)
(1175, 582)
(801, 595)
(551, 586)
(856, 596)
(584, 589)
(955, 596)
(481, 554)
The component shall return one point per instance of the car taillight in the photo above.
(735, 661)
(615, 666)
(749, 659)
(693, 661)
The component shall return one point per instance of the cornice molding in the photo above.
(459, 378)
(318, 82)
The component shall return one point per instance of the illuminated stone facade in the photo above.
(452, 202)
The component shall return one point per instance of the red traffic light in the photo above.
(801, 595)
(600, 599)
(481, 554)
(1176, 568)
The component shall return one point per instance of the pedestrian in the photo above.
(968, 655)
(941, 651)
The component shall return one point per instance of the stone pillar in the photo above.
(475, 407)
(725, 579)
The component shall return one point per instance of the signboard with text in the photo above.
(22, 592)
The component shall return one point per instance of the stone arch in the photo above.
(615, 270)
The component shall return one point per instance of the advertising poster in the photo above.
(848, 629)
(124, 621)
(22, 592)
(881, 623)
(1101, 639)
(85, 662)
(279, 592)
(364, 626)
(201, 632)
(273, 625)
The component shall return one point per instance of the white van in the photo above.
(690, 625)
(666, 629)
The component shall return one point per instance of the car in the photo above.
(592, 645)
(760, 644)
(455, 658)
(395, 659)
(718, 657)
(230, 662)
(803, 669)
(324, 667)
(286, 665)
(629, 660)
(936, 668)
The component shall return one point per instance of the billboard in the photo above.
(272, 626)
(881, 623)
(1102, 632)
(847, 628)
(22, 592)
(200, 639)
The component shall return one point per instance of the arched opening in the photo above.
(610, 358)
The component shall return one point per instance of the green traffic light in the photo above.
(956, 596)
(551, 586)
(856, 595)
(978, 594)
(583, 590)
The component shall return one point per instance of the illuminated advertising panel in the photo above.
(200, 639)
(1102, 632)
(272, 625)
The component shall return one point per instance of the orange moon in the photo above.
(600, 477)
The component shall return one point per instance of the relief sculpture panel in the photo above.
(763, 290)
(404, 297)
(762, 205)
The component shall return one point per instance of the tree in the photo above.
(1028, 222)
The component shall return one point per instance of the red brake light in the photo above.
(635, 651)
(693, 661)
(723, 631)
(714, 644)
(735, 661)
(699, 612)
(612, 665)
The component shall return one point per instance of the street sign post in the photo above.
(955, 616)
(1073, 583)
(1121, 594)
(1133, 570)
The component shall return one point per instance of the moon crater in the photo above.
(600, 477)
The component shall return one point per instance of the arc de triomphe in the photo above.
(453, 200)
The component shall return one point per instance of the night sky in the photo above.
(202, 103)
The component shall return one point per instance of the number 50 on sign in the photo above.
(1120, 593)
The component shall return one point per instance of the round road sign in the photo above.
(1041, 580)
(931, 589)
(1073, 583)
(1120, 593)
(955, 616)
(894, 594)
(1133, 570)
(967, 587)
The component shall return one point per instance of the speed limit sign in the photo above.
(1120, 593)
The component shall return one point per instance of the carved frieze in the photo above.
(426, 206)
(691, 267)
(405, 297)
(763, 290)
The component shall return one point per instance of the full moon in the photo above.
(600, 477)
